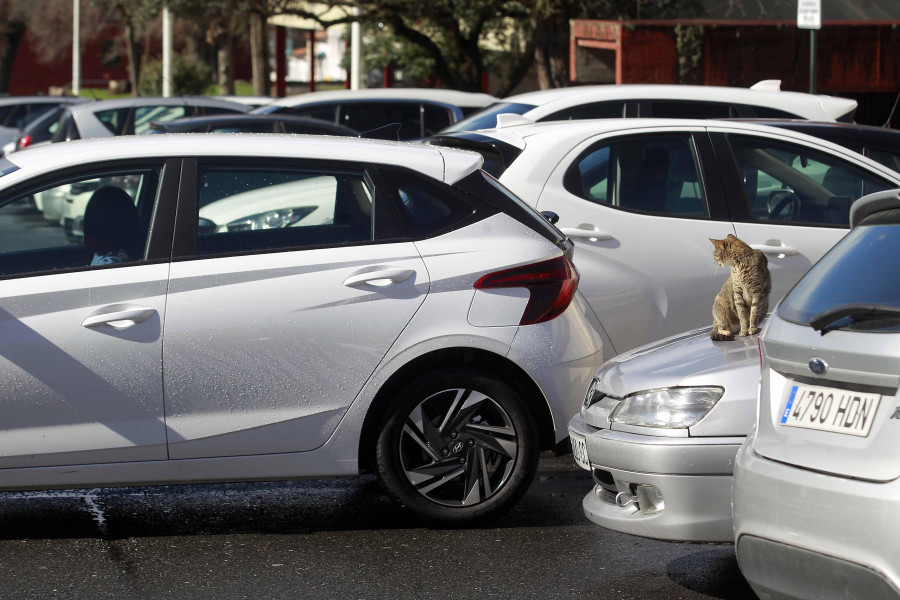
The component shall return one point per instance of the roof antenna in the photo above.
(395, 127)
(891, 116)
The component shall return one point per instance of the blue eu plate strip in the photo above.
(790, 403)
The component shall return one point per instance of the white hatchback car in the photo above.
(429, 329)
(641, 198)
(765, 100)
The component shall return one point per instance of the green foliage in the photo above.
(189, 76)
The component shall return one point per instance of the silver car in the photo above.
(817, 485)
(659, 430)
(369, 307)
(129, 116)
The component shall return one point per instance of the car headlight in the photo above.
(594, 394)
(671, 408)
(273, 219)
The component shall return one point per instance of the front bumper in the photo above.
(804, 535)
(692, 477)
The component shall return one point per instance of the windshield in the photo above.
(487, 118)
(863, 268)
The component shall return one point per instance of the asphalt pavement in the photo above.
(340, 539)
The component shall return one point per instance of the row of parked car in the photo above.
(434, 312)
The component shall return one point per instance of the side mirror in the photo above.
(550, 216)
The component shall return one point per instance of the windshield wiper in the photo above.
(856, 313)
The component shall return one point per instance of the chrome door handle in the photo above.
(772, 249)
(380, 278)
(594, 235)
(119, 316)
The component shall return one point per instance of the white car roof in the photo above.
(808, 106)
(443, 164)
(453, 97)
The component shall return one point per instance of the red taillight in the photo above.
(24, 142)
(552, 284)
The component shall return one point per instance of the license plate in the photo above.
(579, 451)
(830, 409)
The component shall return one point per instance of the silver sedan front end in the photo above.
(659, 431)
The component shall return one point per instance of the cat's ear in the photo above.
(731, 236)
(715, 242)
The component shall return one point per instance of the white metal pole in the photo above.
(355, 41)
(167, 51)
(76, 47)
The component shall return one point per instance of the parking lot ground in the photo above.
(336, 539)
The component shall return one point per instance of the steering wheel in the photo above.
(786, 202)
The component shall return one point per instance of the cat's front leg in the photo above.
(740, 308)
(753, 326)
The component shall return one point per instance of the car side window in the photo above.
(793, 183)
(326, 112)
(144, 115)
(93, 219)
(116, 120)
(596, 110)
(367, 117)
(886, 157)
(436, 118)
(657, 174)
(253, 209)
(675, 109)
(425, 208)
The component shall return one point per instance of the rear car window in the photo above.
(861, 269)
(487, 118)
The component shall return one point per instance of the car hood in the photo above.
(684, 359)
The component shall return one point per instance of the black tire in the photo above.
(459, 447)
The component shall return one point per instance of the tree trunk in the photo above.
(132, 50)
(11, 36)
(551, 52)
(259, 55)
(225, 58)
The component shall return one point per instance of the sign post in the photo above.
(809, 16)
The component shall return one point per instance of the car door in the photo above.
(81, 338)
(791, 200)
(282, 303)
(641, 209)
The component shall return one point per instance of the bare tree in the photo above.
(14, 18)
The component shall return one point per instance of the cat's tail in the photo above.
(717, 336)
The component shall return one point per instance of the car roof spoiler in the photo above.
(767, 85)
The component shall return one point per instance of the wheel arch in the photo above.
(473, 358)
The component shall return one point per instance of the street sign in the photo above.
(809, 14)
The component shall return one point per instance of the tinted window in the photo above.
(598, 110)
(326, 112)
(674, 109)
(888, 158)
(243, 128)
(436, 118)
(772, 113)
(658, 174)
(143, 115)
(426, 207)
(365, 117)
(247, 209)
(116, 120)
(67, 130)
(50, 227)
(487, 118)
(792, 183)
(862, 268)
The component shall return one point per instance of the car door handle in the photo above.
(774, 249)
(595, 235)
(119, 316)
(379, 278)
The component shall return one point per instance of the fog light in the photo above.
(649, 499)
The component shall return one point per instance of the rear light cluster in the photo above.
(552, 284)
(24, 142)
